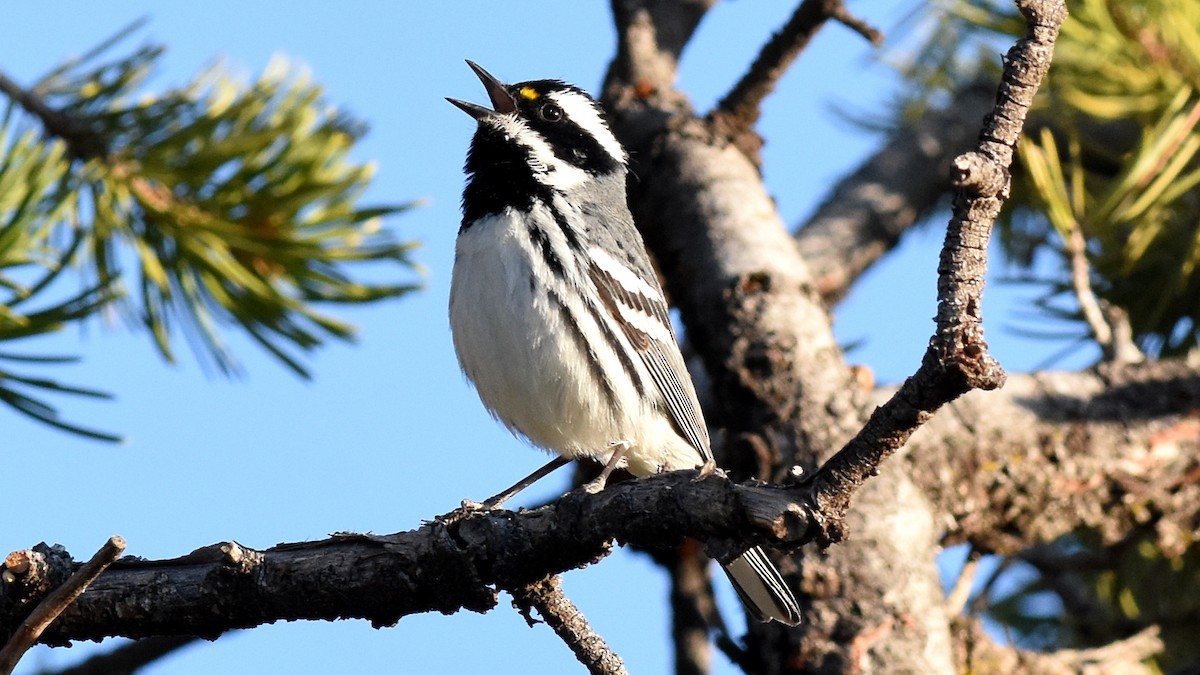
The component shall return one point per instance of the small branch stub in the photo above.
(58, 600)
(978, 176)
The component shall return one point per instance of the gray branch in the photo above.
(866, 213)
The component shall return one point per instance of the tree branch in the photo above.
(978, 653)
(130, 658)
(693, 611)
(782, 390)
(651, 34)
(81, 142)
(957, 598)
(869, 33)
(456, 562)
(1108, 450)
(738, 111)
(728, 261)
(568, 623)
(866, 212)
(1117, 344)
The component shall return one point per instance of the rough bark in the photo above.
(778, 378)
(1109, 449)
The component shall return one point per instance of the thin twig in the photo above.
(957, 599)
(738, 111)
(843, 16)
(48, 610)
(1081, 281)
(1109, 324)
(569, 624)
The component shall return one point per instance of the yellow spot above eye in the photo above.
(528, 93)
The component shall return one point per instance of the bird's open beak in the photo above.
(502, 102)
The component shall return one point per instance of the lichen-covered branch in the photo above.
(1107, 450)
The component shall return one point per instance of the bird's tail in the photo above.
(761, 589)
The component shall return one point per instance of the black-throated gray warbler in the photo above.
(557, 316)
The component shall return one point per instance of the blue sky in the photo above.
(388, 434)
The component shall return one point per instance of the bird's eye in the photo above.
(550, 112)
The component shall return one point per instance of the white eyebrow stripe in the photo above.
(583, 112)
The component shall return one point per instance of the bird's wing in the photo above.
(638, 307)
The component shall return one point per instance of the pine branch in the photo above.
(81, 144)
(1118, 150)
(238, 203)
(35, 202)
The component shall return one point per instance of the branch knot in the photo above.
(979, 176)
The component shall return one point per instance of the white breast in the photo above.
(514, 343)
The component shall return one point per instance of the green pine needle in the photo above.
(1113, 150)
(228, 206)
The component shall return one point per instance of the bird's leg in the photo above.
(709, 468)
(495, 502)
(597, 484)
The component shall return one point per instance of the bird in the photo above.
(556, 313)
